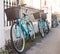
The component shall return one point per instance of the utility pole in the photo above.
(48, 10)
(22, 2)
(17, 2)
(40, 4)
(45, 3)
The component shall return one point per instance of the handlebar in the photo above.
(25, 15)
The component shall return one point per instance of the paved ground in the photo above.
(48, 45)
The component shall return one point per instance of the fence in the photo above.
(8, 4)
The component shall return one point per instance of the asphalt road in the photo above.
(48, 45)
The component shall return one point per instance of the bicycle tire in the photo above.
(33, 36)
(41, 33)
(12, 41)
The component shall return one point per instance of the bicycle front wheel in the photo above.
(41, 30)
(17, 38)
(31, 30)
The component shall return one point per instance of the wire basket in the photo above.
(12, 13)
(37, 15)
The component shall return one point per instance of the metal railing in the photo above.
(8, 4)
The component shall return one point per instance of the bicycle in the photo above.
(21, 29)
(43, 27)
(43, 24)
(54, 22)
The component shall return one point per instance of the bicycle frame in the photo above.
(43, 24)
(23, 26)
(54, 21)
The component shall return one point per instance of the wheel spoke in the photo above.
(17, 38)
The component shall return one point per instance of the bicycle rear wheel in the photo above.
(17, 38)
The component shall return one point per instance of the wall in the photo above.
(33, 3)
(2, 39)
(49, 16)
